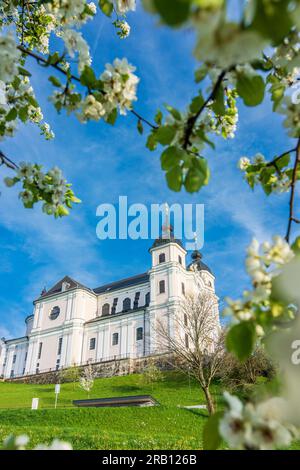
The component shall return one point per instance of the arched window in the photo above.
(162, 258)
(115, 339)
(139, 333)
(147, 299)
(126, 304)
(105, 310)
(162, 287)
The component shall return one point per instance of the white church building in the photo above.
(74, 324)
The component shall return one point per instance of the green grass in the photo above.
(162, 427)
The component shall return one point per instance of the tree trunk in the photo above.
(209, 401)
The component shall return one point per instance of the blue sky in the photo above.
(104, 162)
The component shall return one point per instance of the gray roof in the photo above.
(123, 283)
(56, 289)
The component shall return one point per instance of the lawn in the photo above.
(163, 427)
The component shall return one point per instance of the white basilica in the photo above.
(74, 324)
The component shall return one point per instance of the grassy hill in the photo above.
(162, 427)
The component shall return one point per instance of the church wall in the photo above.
(15, 358)
(125, 326)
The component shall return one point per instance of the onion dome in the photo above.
(197, 262)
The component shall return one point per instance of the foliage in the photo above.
(152, 374)
(237, 377)
(72, 374)
(86, 380)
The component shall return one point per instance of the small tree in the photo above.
(196, 341)
(235, 375)
(86, 381)
(72, 374)
(152, 373)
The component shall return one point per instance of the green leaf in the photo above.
(174, 178)
(283, 161)
(140, 127)
(151, 143)
(211, 435)
(194, 180)
(201, 73)
(88, 78)
(218, 105)
(24, 72)
(106, 6)
(251, 88)
(55, 81)
(23, 113)
(165, 134)
(111, 118)
(197, 176)
(173, 12)
(176, 114)
(171, 157)
(11, 115)
(241, 339)
(158, 117)
(196, 104)
(272, 19)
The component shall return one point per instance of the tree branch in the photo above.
(4, 160)
(193, 119)
(292, 196)
(40, 59)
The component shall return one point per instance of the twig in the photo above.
(192, 120)
(292, 196)
(4, 160)
(41, 59)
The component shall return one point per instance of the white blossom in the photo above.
(92, 109)
(243, 163)
(251, 426)
(74, 42)
(123, 6)
(9, 57)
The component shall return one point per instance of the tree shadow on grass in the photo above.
(198, 412)
(126, 389)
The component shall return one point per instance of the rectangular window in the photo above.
(40, 350)
(25, 359)
(186, 341)
(12, 373)
(179, 259)
(115, 339)
(57, 364)
(139, 333)
(59, 346)
(162, 287)
(92, 343)
(23, 373)
(14, 358)
(183, 288)
(114, 306)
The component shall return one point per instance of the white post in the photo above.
(35, 404)
(57, 390)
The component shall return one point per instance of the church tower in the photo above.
(167, 280)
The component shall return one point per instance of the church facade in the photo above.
(74, 324)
